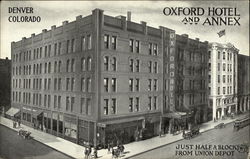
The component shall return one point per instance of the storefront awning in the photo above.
(34, 112)
(119, 121)
(12, 111)
(176, 115)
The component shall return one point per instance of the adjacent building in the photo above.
(103, 79)
(5, 84)
(223, 81)
(243, 83)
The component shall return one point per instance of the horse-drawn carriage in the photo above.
(25, 134)
(188, 134)
(241, 123)
(220, 126)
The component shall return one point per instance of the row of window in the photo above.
(229, 55)
(86, 44)
(229, 78)
(225, 90)
(108, 44)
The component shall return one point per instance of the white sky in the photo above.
(54, 13)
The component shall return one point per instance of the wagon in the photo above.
(220, 126)
(25, 134)
(191, 133)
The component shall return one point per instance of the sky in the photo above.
(55, 12)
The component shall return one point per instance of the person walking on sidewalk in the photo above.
(95, 153)
(19, 123)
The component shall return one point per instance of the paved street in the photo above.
(13, 146)
(225, 136)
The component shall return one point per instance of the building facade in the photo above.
(243, 83)
(223, 81)
(99, 79)
(5, 74)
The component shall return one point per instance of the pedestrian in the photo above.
(14, 124)
(108, 148)
(86, 153)
(19, 123)
(95, 153)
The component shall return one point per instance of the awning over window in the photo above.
(34, 112)
(176, 115)
(119, 121)
(12, 111)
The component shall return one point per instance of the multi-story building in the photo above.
(223, 82)
(185, 79)
(5, 78)
(98, 79)
(243, 83)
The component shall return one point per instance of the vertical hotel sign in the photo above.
(171, 69)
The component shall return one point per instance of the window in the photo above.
(45, 53)
(155, 84)
(155, 49)
(49, 69)
(149, 103)
(150, 66)
(72, 104)
(137, 104)
(49, 83)
(137, 46)
(67, 48)
(224, 55)
(218, 54)
(106, 63)
(59, 66)
(72, 84)
(209, 78)
(113, 84)
(55, 84)
(218, 66)
(88, 104)
(224, 90)
(137, 66)
(67, 84)
(88, 85)
(113, 107)
(59, 102)
(82, 105)
(105, 83)
(45, 100)
(67, 103)
(130, 104)
(55, 49)
(45, 68)
(72, 65)
(59, 84)
(68, 66)
(131, 84)
(114, 64)
(155, 67)
(218, 90)
(150, 48)
(83, 64)
(49, 52)
(209, 54)
(224, 67)
(209, 67)
(89, 40)
(83, 84)
(113, 42)
(106, 41)
(83, 43)
(224, 78)
(89, 64)
(55, 101)
(218, 78)
(131, 65)
(131, 45)
(73, 45)
(155, 102)
(137, 84)
(149, 84)
(45, 83)
(106, 106)
(59, 48)
(55, 66)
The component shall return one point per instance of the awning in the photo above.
(12, 111)
(34, 112)
(177, 115)
(119, 121)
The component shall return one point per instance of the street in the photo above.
(13, 146)
(216, 137)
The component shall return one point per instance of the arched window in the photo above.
(59, 66)
(114, 64)
(72, 65)
(49, 69)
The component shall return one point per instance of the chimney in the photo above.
(65, 22)
(44, 30)
(6, 58)
(145, 29)
(32, 35)
(79, 17)
(53, 27)
(129, 16)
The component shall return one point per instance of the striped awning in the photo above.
(12, 111)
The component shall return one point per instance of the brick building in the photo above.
(96, 80)
(223, 82)
(243, 83)
(5, 84)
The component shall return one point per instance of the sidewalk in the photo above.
(76, 151)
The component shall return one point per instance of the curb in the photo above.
(42, 143)
(169, 143)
